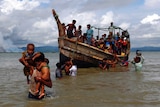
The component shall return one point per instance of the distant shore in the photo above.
(55, 49)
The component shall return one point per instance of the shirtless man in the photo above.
(42, 80)
(71, 28)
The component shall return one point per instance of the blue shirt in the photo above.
(89, 33)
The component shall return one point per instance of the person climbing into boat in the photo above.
(71, 28)
(89, 33)
(26, 55)
(112, 62)
(103, 64)
(124, 62)
(138, 61)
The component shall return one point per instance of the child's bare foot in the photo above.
(41, 95)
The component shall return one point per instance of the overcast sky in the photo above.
(31, 21)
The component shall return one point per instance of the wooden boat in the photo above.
(82, 54)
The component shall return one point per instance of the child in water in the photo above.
(26, 55)
(58, 70)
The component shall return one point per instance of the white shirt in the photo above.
(73, 70)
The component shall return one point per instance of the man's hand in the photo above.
(37, 79)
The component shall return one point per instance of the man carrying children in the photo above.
(38, 70)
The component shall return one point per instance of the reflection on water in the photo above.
(92, 87)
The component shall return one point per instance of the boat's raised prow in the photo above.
(60, 26)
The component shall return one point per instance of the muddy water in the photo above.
(92, 87)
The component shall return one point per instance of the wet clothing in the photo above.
(138, 65)
(32, 87)
(73, 70)
(58, 73)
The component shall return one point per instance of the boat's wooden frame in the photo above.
(82, 54)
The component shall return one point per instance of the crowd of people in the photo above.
(68, 67)
(114, 42)
(36, 65)
(37, 70)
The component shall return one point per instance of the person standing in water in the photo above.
(40, 76)
(138, 61)
(45, 79)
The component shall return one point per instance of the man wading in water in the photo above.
(42, 77)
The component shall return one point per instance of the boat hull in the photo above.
(82, 54)
(79, 63)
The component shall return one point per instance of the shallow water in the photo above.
(92, 87)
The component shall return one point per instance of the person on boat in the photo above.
(89, 33)
(64, 27)
(78, 32)
(124, 45)
(103, 64)
(26, 55)
(45, 79)
(71, 28)
(112, 28)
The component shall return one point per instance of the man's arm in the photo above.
(47, 83)
(45, 78)
(36, 55)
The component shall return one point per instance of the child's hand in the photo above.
(27, 65)
(37, 79)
